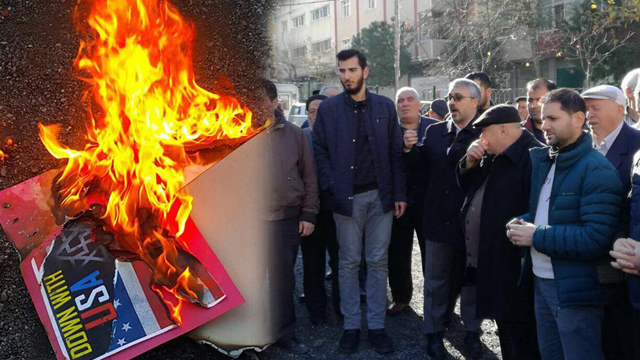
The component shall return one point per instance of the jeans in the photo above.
(566, 333)
(369, 220)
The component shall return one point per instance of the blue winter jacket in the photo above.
(585, 203)
(334, 143)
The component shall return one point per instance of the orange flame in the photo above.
(150, 116)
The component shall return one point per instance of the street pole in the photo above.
(396, 45)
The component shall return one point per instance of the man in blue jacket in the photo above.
(358, 151)
(576, 198)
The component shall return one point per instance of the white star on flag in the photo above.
(121, 342)
(116, 303)
(126, 327)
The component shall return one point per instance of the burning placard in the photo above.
(121, 198)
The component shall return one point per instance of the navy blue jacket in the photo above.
(334, 142)
(621, 157)
(416, 184)
(443, 197)
(633, 281)
(585, 203)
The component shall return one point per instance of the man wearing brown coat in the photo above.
(292, 206)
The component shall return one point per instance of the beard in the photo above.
(355, 89)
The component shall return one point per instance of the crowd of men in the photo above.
(528, 213)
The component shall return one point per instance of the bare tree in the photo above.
(596, 31)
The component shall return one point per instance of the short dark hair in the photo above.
(485, 81)
(570, 100)
(535, 84)
(269, 87)
(521, 98)
(349, 53)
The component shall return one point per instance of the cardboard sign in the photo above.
(92, 305)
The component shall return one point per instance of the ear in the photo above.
(477, 102)
(488, 92)
(365, 72)
(579, 119)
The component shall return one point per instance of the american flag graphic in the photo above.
(141, 314)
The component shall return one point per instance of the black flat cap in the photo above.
(314, 97)
(499, 114)
(440, 107)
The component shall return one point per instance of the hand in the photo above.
(410, 138)
(305, 228)
(400, 208)
(475, 152)
(521, 233)
(627, 255)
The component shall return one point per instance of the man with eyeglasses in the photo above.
(444, 144)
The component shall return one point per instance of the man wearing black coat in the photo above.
(618, 142)
(444, 144)
(496, 178)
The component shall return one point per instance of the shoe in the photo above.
(349, 341)
(380, 341)
(397, 308)
(328, 276)
(472, 344)
(293, 346)
(435, 346)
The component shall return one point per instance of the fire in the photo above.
(9, 145)
(149, 118)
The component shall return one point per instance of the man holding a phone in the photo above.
(576, 198)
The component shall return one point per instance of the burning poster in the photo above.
(122, 275)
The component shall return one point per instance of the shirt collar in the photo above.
(608, 141)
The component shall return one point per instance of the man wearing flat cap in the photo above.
(495, 176)
(618, 142)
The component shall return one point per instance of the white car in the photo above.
(298, 114)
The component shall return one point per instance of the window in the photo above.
(300, 52)
(558, 15)
(346, 8)
(298, 21)
(370, 4)
(284, 25)
(321, 13)
(554, 12)
(321, 46)
(346, 44)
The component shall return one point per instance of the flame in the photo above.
(148, 118)
(9, 145)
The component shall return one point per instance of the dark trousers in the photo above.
(618, 338)
(314, 248)
(284, 241)
(400, 254)
(518, 340)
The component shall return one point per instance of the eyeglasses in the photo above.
(458, 97)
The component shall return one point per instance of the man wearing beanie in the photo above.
(496, 178)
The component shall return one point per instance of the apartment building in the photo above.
(307, 34)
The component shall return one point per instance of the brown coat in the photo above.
(294, 187)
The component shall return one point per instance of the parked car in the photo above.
(298, 114)
(425, 106)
